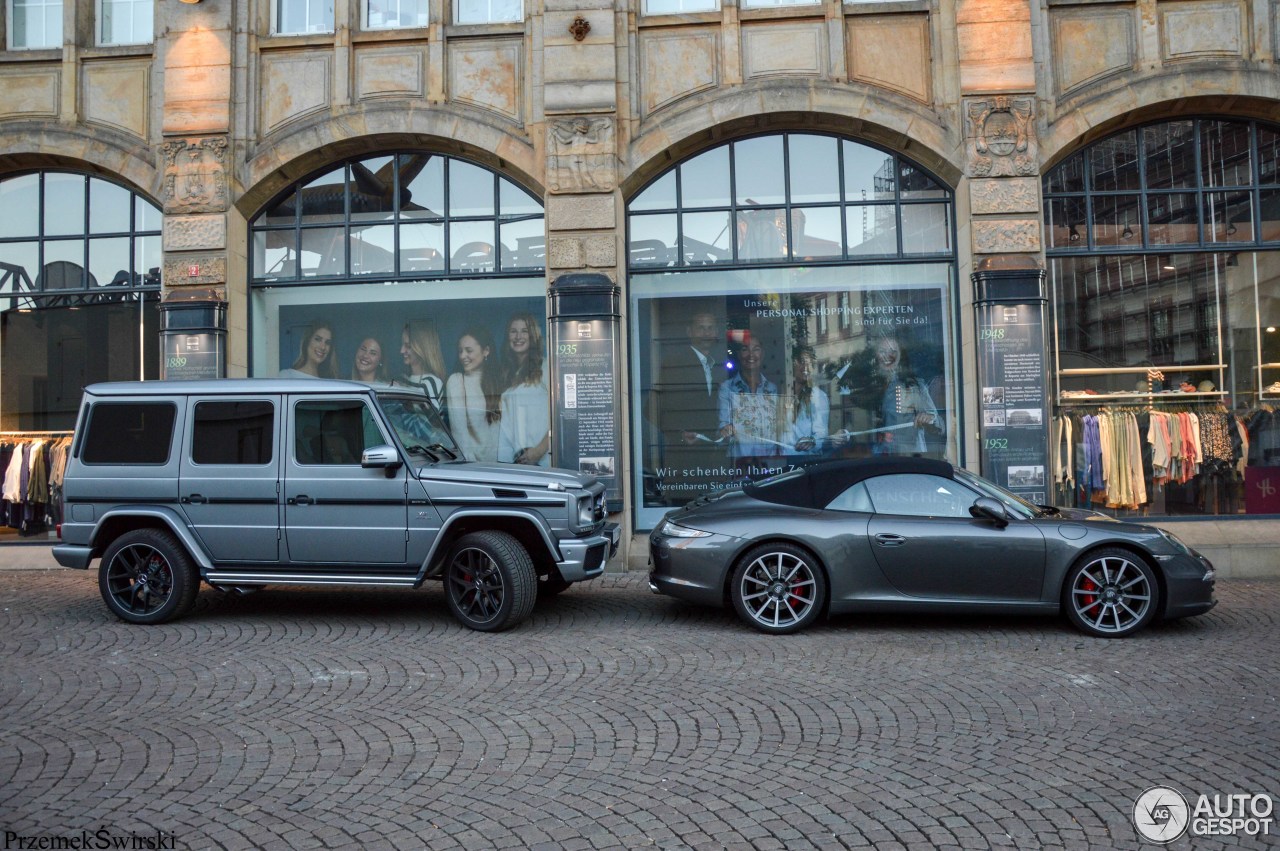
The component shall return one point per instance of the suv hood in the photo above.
(505, 475)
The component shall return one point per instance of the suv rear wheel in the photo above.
(489, 581)
(147, 577)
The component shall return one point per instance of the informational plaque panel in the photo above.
(1013, 398)
(191, 356)
(584, 324)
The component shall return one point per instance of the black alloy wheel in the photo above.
(489, 581)
(146, 577)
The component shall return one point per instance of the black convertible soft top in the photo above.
(815, 486)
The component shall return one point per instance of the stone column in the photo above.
(194, 46)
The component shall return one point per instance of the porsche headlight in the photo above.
(672, 530)
(1175, 542)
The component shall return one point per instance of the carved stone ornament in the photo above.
(580, 155)
(579, 28)
(195, 175)
(1001, 137)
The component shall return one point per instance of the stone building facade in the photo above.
(223, 105)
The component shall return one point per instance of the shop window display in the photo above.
(758, 343)
(1168, 361)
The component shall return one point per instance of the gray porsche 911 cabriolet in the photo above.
(918, 535)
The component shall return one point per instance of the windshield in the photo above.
(1016, 505)
(419, 426)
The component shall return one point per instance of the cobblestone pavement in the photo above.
(615, 719)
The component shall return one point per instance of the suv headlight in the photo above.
(672, 530)
(586, 512)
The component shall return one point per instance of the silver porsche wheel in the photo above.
(1111, 594)
(778, 588)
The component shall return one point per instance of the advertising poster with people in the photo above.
(483, 363)
(744, 385)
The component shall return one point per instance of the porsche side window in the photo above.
(853, 499)
(919, 495)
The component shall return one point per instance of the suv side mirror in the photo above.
(384, 457)
(987, 508)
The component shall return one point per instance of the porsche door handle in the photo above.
(887, 540)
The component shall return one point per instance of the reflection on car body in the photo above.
(918, 535)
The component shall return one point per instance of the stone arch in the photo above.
(302, 150)
(1237, 94)
(98, 151)
(895, 123)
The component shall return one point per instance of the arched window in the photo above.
(409, 215)
(1163, 244)
(80, 264)
(792, 299)
(413, 268)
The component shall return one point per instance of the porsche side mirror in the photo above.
(986, 508)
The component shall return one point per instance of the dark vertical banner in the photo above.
(585, 431)
(1013, 397)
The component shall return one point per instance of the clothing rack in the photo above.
(36, 433)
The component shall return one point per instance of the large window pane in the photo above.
(373, 189)
(323, 252)
(63, 265)
(1065, 222)
(759, 177)
(1228, 217)
(422, 247)
(1113, 164)
(1117, 220)
(304, 16)
(1067, 177)
(524, 245)
(514, 201)
(708, 238)
(109, 262)
(704, 180)
(1269, 207)
(423, 174)
(384, 14)
(815, 233)
(20, 206)
(108, 207)
(146, 259)
(126, 21)
(917, 185)
(762, 235)
(868, 174)
(22, 266)
(63, 204)
(660, 195)
(1172, 219)
(926, 228)
(471, 245)
(653, 240)
(814, 164)
(373, 250)
(35, 24)
(471, 190)
(323, 199)
(872, 230)
(274, 255)
(671, 7)
(1225, 154)
(1170, 155)
(487, 11)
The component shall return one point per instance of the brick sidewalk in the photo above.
(615, 719)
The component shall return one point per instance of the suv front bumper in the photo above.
(584, 558)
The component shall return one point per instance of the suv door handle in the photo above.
(195, 499)
(887, 540)
(301, 499)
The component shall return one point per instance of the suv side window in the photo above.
(233, 433)
(919, 495)
(129, 433)
(334, 432)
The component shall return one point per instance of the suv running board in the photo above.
(229, 577)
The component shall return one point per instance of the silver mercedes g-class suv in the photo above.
(249, 482)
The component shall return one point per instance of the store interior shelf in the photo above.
(1202, 396)
(1142, 370)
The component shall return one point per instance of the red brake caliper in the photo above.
(1089, 599)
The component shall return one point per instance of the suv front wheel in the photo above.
(147, 577)
(489, 581)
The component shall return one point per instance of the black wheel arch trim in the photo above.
(167, 516)
(434, 560)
